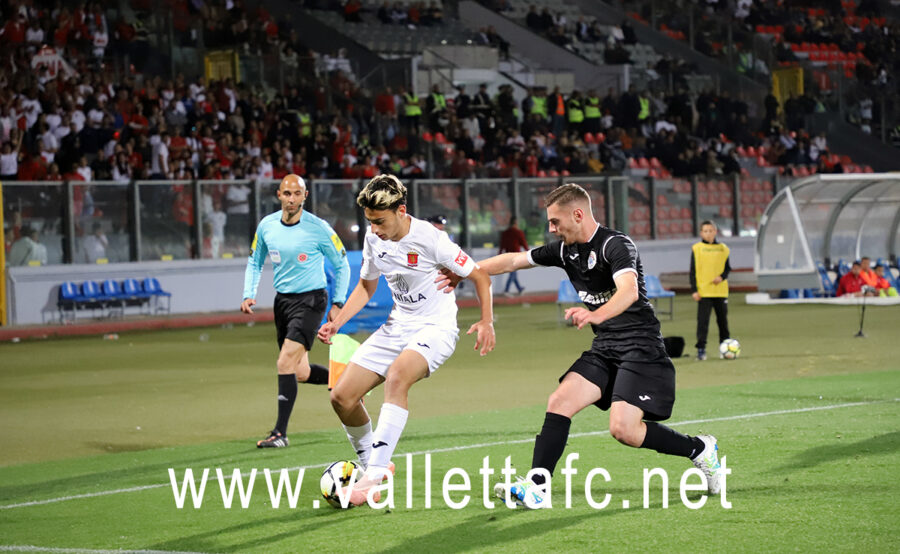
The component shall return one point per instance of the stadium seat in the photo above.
(68, 300)
(829, 286)
(153, 288)
(656, 291)
(91, 297)
(134, 295)
(113, 296)
(566, 298)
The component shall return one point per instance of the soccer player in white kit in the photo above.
(419, 335)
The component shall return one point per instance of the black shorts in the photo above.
(297, 316)
(642, 376)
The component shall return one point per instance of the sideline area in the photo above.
(181, 321)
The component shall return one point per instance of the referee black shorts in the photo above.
(297, 316)
(641, 375)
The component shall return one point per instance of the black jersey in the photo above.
(592, 268)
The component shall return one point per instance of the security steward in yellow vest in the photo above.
(538, 104)
(592, 113)
(576, 111)
(437, 108)
(645, 107)
(412, 111)
(709, 284)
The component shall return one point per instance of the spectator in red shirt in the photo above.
(851, 284)
(351, 11)
(513, 240)
(14, 31)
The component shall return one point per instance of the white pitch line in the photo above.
(32, 548)
(466, 447)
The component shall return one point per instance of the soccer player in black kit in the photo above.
(626, 370)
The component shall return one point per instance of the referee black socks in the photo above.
(287, 394)
(550, 444)
(318, 375)
(666, 440)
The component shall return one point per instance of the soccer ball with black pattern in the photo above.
(730, 349)
(337, 476)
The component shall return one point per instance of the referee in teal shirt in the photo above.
(297, 242)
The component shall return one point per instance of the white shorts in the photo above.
(379, 351)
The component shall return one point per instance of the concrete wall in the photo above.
(217, 285)
(544, 52)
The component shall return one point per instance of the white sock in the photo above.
(361, 441)
(390, 426)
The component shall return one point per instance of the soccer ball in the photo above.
(730, 349)
(335, 477)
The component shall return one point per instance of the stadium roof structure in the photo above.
(826, 218)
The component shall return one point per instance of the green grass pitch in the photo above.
(808, 418)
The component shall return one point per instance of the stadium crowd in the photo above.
(73, 119)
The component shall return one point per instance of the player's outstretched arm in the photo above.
(360, 296)
(485, 339)
(626, 294)
(496, 265)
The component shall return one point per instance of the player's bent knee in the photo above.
(341, 401)
(559, 404)
(624, 432)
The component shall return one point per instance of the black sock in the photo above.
(550, 443)
(318, 375)
(666, 440)
(287, 394)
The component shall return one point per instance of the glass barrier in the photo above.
(490, 208)
(166, 220)
(639, 210)
(102, 222)
(533, 210)
(440, 197)
(34, 221)
(335, 202)
(226, 215)
(756, 193)
(673, 209)
(715, 198)
(171, 227)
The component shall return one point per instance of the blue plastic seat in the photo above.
(67, 300)
(134, 295)
(655, 291)
(113, 296)
(91, 297)
(828, 286)
(155, 290)
(566, 297)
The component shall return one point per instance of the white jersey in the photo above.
(410, 267)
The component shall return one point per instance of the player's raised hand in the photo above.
(245, 305)
(580, 316)
(447, 280)
(326, 332)
(485, 339)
